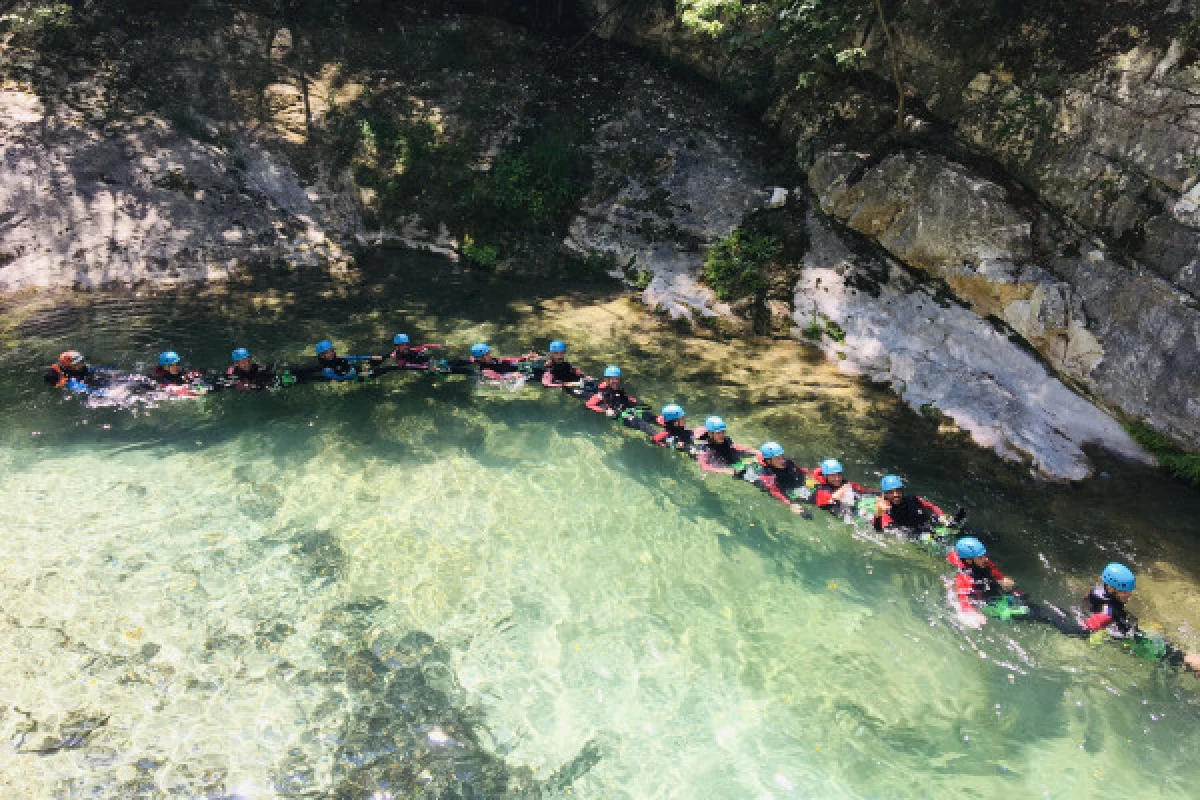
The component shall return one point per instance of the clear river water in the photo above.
(420, 588)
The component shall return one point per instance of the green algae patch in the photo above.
(1183, 465)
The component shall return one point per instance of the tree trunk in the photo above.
(894, 58)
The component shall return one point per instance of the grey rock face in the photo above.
(936, 216)
(942, 354)
(1150, 333)
(1126, 335)
(673, 177)
(81, 207)
(1114, 150)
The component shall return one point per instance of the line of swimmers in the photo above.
(978, 590)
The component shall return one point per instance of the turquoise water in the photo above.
(423, 588)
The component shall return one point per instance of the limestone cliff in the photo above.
(1047, 167)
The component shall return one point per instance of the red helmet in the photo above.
(70, 358)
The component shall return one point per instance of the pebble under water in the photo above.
(420, 588)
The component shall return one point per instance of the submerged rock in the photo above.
(407, 731)
(938, 353)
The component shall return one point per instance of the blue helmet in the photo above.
(969, 547)
(323, 346)
(714, 424)
(1119, 577)
(672, 412)
(891, 482)
(239, 354)
(400, 338)
(558, 346)
(480, 350)
(612, 371)
(168, 358)
(831, 466)
(771, 449)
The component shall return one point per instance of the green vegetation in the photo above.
(534, 186)
(482, 255)
(824, 326)
(1171, 457)
(734, 266)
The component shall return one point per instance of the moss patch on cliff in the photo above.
(1174, 459)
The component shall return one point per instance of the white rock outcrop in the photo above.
(940, 353)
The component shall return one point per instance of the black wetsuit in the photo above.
(498, 366)
(163, 377)
(909, 512)
(722, 454)
(562, 371)
(412, 358)
(1106, 611)
(328, 369)
(616, 399)
(57, 375)
(254, 379)
(673, 434)
(781, 479)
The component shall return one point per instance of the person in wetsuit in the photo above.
(714, 448)
(72, 372)
(777, 474)
(557, 371)
(170, 372)
(899, 510)
(1107, 616)
(831, 490)
(980, 589)
(675, 432)
(332, 367)
(247, 375)
(408, 356)
(610, 397)
(492, 367)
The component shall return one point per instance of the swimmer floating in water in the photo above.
(70, 371)
(895, 509)
(557, 371)
(1107, 618)
(715, 450)
(247, 375)
(675, 432)
(831, 490)
(170, 375)
(778, 475)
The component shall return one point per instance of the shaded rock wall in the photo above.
(143, 202)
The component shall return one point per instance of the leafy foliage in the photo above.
(733, 267)
(814, 35)
(482, 255)
(535, 186)
(1172, 458)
